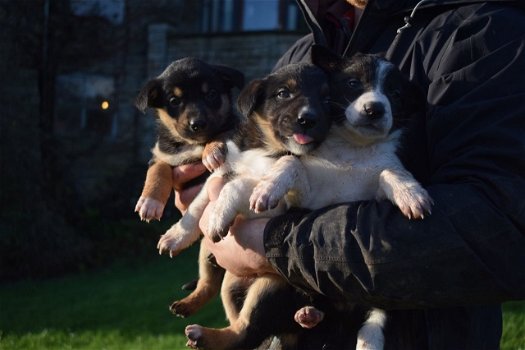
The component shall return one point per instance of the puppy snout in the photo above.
(374, 109)
(197, 125)
(307, 118)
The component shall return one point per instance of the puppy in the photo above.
(285, 113)
(358, 159)
(193, 104)
(192, 100)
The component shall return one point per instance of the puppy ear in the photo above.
(250, 97)
(325, 58)
(149, 96)
(231, 77)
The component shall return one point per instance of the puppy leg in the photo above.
(267, 310)
(156, 191)
(208, 285)
(370, 336)
(287, 174)
(186, 230)
(398, 185)
(232, 201)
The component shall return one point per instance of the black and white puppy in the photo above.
(358, 159)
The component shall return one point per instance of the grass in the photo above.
(513, 326)
(125, 307)
(122, 307)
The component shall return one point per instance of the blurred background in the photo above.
(78, 270)
(77, 267)
(73, 148)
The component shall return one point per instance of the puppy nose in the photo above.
(374, 109)
(197, 125)
(307, 119)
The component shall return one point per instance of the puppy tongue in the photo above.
(302, 139)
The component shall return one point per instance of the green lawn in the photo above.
(125, 307)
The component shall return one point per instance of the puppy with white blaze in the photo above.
(357, 161)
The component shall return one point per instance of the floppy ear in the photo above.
(250, 97)
(230, 76)
(149, 96)
(325, 58)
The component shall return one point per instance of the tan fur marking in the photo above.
(159, 182)
(169, 123)
(291, 83)
(270, 140)
(177, 91)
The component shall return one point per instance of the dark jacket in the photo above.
(468, 151)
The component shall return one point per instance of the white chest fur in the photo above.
(340, 172)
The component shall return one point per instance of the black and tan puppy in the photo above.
(193, 104)
(192, 100)
(285, 113)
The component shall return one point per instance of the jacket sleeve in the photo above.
(471, 249)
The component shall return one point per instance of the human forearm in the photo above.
(370, 253)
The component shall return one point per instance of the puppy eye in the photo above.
(212, 95)
(353, 83)
(175, 101)
(283, 94)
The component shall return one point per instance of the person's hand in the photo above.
(181, 175)
(241, 252)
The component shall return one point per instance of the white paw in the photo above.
(173, 241)
(265, 196)
(413, 202)
(149, 209)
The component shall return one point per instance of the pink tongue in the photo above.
(302, 139)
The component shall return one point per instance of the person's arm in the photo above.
(470, 250)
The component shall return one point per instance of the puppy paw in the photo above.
(414, 202)
(265, 196)
(219, 222)
(214, 155)
(308, 317)
(172, 241)
(194, 334)
(181, 309)
(149, 209)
